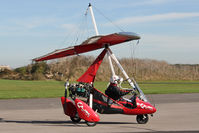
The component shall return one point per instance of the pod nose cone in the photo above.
(153, 109)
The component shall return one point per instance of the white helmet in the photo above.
(116, 79)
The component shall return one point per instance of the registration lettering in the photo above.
(143, 106)
(80, 106)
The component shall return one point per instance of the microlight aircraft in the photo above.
(96, 101)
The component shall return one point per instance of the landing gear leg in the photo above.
(142, 119)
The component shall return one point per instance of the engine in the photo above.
(79, 89)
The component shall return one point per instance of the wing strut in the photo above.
(133, 85)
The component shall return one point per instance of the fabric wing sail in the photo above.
(91, 44)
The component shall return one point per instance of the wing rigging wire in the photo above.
(77, 33)
(134, 63)
(72, 33)
(82, 31)
(108, 19)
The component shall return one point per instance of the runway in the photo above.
(176, 113)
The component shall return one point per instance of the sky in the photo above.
(169, 29)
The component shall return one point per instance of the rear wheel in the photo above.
(142, 119)
(76, 119)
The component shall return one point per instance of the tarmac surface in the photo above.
(176, 113)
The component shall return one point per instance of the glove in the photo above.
(129, 90)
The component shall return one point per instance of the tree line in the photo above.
(73, 67)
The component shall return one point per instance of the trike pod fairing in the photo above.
(84, 99)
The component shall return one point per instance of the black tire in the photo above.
(75, 119)
(142, 119)
(91, 124)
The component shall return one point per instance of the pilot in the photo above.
(113, 90)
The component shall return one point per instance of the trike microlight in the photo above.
(84, 101)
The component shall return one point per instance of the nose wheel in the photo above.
(76, 118)
(142, 119)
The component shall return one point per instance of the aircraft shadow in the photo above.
(58, 123)
(82, 124)
(35, 122)
(107, 122)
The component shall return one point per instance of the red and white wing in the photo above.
(91, 44)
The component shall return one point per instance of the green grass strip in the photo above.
(10, 89)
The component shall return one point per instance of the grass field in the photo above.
(42, 89)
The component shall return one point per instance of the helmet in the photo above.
(116, 79)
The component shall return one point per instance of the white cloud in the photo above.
(150, 2)
(70, 27)
(174, 49)
(27, 23)
(132, 3)
(34, 22)
(170, 48)
(33, 26)
(156, 17)
(171, 41)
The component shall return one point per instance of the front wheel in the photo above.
(142, 119)
(91, 124)
(76, 119)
